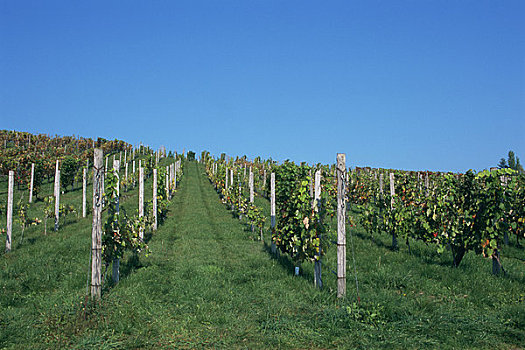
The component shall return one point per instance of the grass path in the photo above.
(205, 284)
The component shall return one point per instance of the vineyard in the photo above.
(114, 246)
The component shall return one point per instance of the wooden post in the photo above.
(116, 262)
(10, 211)
(392, 194)
(106, 168)
(96, 232)
(167, 187)
(84, 188)
(318, 282)
(57, 199)
(250, 183)
(272, 210)
(226, 182)
(155, 199)
(32, 181)
(341, 229)
(126, 173)
(56, 172)
(141, 199)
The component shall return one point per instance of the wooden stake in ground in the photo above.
(226, 180)
(167, 187)
(116, 262)
(96, 232)
(341, 229)
(57, 199)
(10, 211)
(154, 199)
(141, 199)
(250, 183)
(272, 210)
(32, 181)
(317, 198)
(392, 194)
(56, 172)
(84, 188)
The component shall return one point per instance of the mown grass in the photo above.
(209, 283)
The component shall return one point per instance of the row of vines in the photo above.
(476, 212)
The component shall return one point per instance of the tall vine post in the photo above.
(317, 198)
(155, 199)
(116, 261)
(84, 188)
(32, 181)
(56, 171)
(272, 210)
(141, 199)
(57, 199)
(167, 185)
(250, 182)
(11, 183)
(341, 229)
(96, 232)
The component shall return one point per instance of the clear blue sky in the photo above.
(436, 85)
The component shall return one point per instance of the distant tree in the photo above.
(512, 162)
(191, 155)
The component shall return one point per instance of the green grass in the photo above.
(209, 284)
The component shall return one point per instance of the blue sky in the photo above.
(437, 85)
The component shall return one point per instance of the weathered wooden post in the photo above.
(106, 168)
(84, 189)
(11, 183)
(250, 184)
(167, 186)
(96, 232)
(126, 173)
(392, 194)
(32, 182)
(272, 210)
(57, 199)
(116, 261)
(141, 199)
(226, 181)
(341, 229)
(56, 172)
(155, 199)
(317, 198)
(381, 184)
